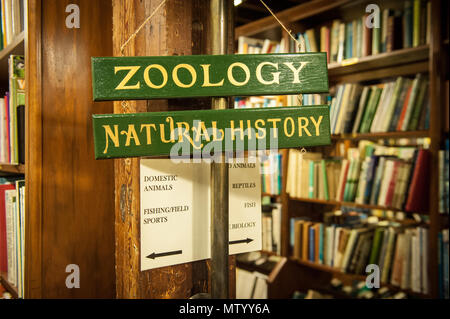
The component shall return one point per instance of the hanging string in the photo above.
(124, 104)
(301, 44)
(141, 26)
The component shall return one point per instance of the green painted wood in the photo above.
(133, 78)
(209, 131)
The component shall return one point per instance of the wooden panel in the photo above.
(188, 132)
(77, 191)
(436, 120)
(33, 154)
(126, 78)
(179, 28)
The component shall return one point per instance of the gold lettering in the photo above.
(147, 128)
(275, 75)
(295, 71)
(147, 77)
(274, 124)
(131, 134)
(113, 136)
(303, 126)
(132, 70)
(240, 129)
(263, 130)
(292, 126)
(200, 131)
(177, 80)
(317, 124)
(231, 77)
(185, 133)
(214, 127)
(206, 82)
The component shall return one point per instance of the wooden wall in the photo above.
(70, 195)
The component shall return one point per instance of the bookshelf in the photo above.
(15, 47)
(428, 58)
(348, 204)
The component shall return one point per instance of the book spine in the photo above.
(311, 180)
(416, 23)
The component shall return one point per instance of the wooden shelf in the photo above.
(378, 61)
(17, 46)
(271, 195)
(378, 136)
(336, 203)
(293, 14)
(14, 169)
(10, 288)
(351, 277)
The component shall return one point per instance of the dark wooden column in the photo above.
(70, 195)
(178, 28)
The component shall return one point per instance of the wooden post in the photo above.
(178, 28)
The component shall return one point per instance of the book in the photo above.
(17, 98)
(3, 229)
(371, 109)
(418, 194)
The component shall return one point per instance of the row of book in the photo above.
(12, 16)
(444, 179)
(271, 228)
(357, 289)
(271, 172)
(394, 177)
(247, 45)
(399, 250)
(401, 105)
(253, 102)
(250, 285)
(12, 114)
(381, 31)
(12, 232)
(443, 264)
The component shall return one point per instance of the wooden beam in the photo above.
(178, 28)
(33, 156)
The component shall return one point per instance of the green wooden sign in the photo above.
(155, 77)
(209, 131)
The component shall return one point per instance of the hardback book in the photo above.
(376, 245)
(365, 94)
(3, 229)
(17, 96)
(367, 38)
(407, 24)
(371, 109)
(376, 35)
(418, 193)
(412, 100)
(418, 105)
(399, 104)
(341, 43)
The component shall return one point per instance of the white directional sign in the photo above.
(175, 211)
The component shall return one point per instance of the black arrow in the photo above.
(169, 253)
(248, 240)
